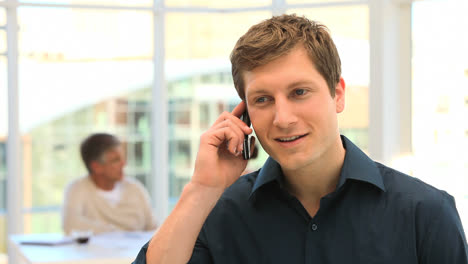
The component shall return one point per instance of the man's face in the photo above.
(112, 164)
(292, 110)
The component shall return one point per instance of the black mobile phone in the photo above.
(246, 150)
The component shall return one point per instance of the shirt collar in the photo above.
(270, 171)
(356, 166)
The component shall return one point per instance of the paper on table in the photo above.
(47, 241)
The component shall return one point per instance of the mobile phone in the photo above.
(246, 150)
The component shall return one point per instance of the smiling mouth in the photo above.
(289, 139)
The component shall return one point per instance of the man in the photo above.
(318, 198)
(105, 200)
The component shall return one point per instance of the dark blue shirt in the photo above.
(375, 215)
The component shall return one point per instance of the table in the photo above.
(110, 248)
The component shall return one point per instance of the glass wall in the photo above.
(440, 97)
(3, 128)
(315, 1)
(135, 3)
(199, 83)
(216, 3)
(80, 71)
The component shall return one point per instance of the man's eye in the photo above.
(261, 100)
(300, 91)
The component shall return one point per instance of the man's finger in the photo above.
(239, 109)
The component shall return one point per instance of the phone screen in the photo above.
(246, 151)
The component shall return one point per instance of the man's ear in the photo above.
(95, 167)
(340, 95)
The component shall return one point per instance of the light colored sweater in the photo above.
(84, 209)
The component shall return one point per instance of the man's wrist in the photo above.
(203, 191)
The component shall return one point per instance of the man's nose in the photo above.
(284, 114)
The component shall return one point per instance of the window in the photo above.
(440, 89)
(3, 44)
(204, 116)
(216, 3)
(3, 151)
(315, 1)
(93, 67)
(197, 63)
(180, 112)
(180, 165)
(136, 3)
(3, 129)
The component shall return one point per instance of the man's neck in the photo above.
(311, 183)
(102, 184)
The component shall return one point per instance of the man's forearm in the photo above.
(174, 241)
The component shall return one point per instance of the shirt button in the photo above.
(313, 227)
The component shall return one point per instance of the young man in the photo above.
(318, 198)
(105, 200)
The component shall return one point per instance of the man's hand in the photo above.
(219, 163)
(219, 160)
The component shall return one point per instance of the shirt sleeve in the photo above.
(200, 254)
(141, 257)
(443, 239)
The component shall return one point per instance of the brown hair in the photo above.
(94, 146)
(277, 36)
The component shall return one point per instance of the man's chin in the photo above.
(293, 162)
